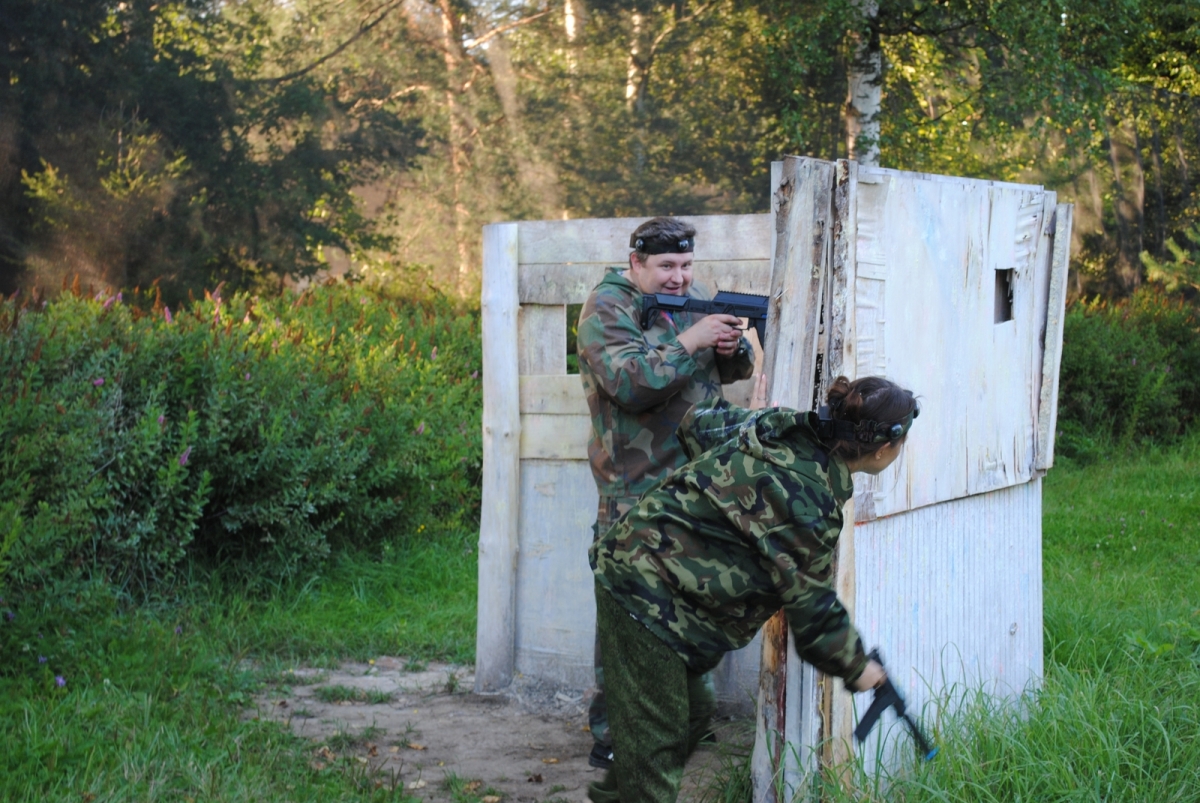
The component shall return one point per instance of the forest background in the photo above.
(206, 478)
(197, 142)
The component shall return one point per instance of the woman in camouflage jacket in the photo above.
(747, 527)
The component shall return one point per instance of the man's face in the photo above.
(662, 273)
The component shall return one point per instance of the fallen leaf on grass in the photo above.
(490, 799)
(394, 748)
(415, 746)
(326, 753)
(472, 786)
(549, 760)
(317, 765)
(415, 785)
(372, 750)
(535, 778)
(361, 759)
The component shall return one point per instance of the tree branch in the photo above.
(363, 29)
(473, 43)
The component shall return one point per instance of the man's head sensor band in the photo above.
(662, 245)
(829, 429)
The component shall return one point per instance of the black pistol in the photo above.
(886, 696)
(741, 305)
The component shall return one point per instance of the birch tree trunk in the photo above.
(453, 57)
(865, 91)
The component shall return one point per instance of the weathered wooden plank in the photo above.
(838, 705)
(718, 237)
(802, 204)
(570, 283)
(542, 339)
(1052, 354)
(555, 437)
(498, 534)
(553, 395)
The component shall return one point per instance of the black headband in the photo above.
(829, 429)
(661, 244)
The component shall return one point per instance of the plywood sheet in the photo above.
(928, 251)
(952, 594)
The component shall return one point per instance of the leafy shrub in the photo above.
(1130, 372)
(250, 432)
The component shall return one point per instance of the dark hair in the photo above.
(871, 398)
(658, 230)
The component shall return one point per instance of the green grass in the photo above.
(154, 701)
(345, 694)
(1118, 715)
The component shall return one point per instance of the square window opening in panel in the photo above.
(1004, 295)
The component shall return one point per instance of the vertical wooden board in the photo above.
(542, 339)
(802, 204)
(952, 595)
(1052, 357)
(841, 359)
(498, 541)
(556, 605)
(1041, 289)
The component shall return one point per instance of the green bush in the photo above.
(1130, 373)
(249, 433)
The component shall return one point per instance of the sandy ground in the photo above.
(420, 726)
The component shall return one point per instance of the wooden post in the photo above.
(801, 203)
(496, 629)
(841, 359)
(1052, 351)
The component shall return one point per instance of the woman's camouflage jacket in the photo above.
(748, 526)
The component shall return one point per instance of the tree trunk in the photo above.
(1156, 152)
(537, 176)
(452, 55)
(1128, 271)
(865, 91)
(1185, 188)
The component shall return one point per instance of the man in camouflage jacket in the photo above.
(640, 383)
(693, 570)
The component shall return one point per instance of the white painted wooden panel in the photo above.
(718, 237)
(952, 596)
(928, 251)
(556, 608)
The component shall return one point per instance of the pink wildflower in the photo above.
(167, 314)
(421, 429)
(98, 381)
(60, 681)
(433, 354)
(183, 458)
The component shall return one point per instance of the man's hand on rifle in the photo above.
(871, 678)
(722, 332)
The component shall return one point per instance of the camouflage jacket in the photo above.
(640, 384)
(748, 526)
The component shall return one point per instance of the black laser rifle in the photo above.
(886, 696)
(741, 305)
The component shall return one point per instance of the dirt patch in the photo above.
(394, 722)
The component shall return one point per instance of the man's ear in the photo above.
(634, 262)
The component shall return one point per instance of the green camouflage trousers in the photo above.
(611, 508)
(659, 710)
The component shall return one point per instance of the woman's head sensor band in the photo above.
(829, 429)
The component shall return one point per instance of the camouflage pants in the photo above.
(611, 508)
(659, 708)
